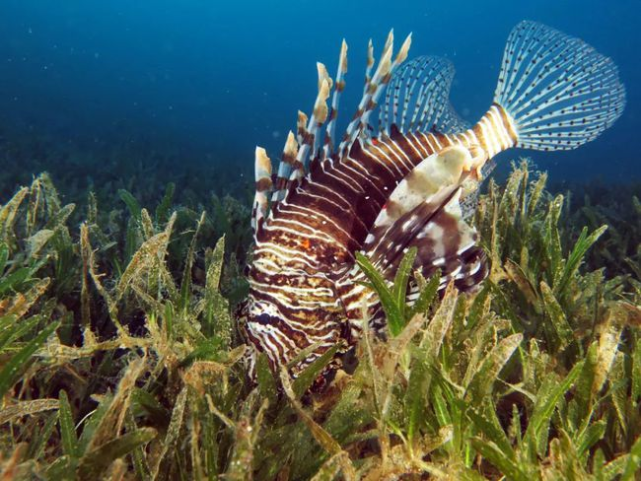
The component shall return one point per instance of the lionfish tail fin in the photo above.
(557, 90)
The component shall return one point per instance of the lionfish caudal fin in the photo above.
(559, 92)
(311, 142)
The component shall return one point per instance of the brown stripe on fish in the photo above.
(407, 145)
(391, 148)
(417, 145)
(431, 143)
(353, 199)
(264, 184)
(378, 176)
(384, 152)
(266, 341)
(379, 160)
(288, 234)
(342, 238)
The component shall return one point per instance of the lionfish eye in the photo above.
(263, 319)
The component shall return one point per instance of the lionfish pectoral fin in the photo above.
(425, 211)
(429, 180)
(444, 241)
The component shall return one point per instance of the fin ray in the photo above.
(330, 142)
(374, 87)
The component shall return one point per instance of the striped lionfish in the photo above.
(407, 180)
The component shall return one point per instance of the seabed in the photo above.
(120, 357)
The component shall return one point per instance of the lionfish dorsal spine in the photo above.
(339, 86)
(308, 132)
(263, 177)
(308, 148)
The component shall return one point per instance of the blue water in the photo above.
(212, 79)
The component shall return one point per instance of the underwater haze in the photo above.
(209, 80)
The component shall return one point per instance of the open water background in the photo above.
(209, 80)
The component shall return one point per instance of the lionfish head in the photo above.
(266, 329)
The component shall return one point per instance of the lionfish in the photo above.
(410, 179)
